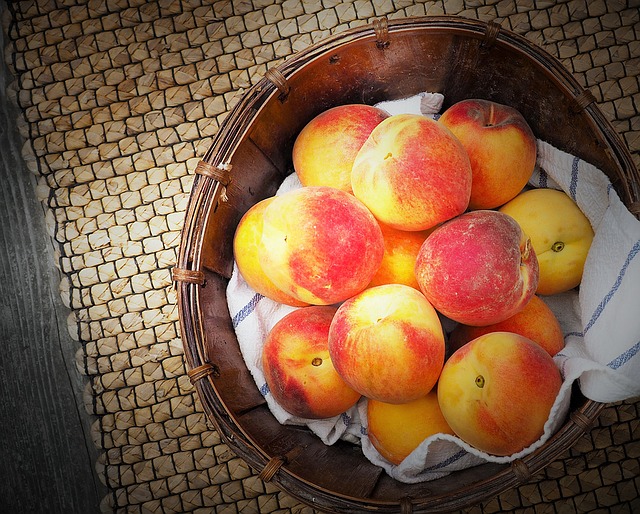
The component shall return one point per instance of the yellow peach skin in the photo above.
(496, 392)
(324, 151)
(395, 430)
(245, 251)
(412, 173)
(401, 249)
(319, 244)
(298, 369)
(501, 147)
(560, 234)
(536, 322)
(387, 343)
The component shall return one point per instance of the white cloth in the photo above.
(428, 104)
(601, 323)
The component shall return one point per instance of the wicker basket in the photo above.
(251, 156)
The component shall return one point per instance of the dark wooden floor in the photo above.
(46, 454)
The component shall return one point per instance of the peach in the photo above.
(395, 430)
(536, 322)
(387, 343)
(401, 249)
(501, 147)
(478, 268)
(412, 173)
(324, 151)
(298, 369)
(496, 392)
(245, 251)
(319, 244)
(560, 234)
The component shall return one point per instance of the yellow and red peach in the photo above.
(395, 430)
(560, 234)
(478, 269)
(497, 391)
(501, 147)
(387, 343)
(324, 150)
(412, 173)
(319, 244)
(298, 369)
(536, 322)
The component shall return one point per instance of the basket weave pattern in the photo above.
(120, 100)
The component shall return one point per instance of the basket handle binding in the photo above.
(277, 462)
(277, 78)
(406, 505)
(521, 471)
(491, 34)
(191, 276)
(220, 173)
(199, 372)
(381, 30)
(271, 468)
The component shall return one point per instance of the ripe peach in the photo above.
(560, 234)
(401, 249)
(324, 151)
(387, 343)
(319, 244)
(478, 268)
(501, 147)
(245, 251)
(395, 430)
(496, 392)
(298, 369)
(412, 173)
(536, 322)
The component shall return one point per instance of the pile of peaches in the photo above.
(405, 225)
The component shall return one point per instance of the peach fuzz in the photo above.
(320, 245)
(387, 343)
(478, 269)
(395, 430)
(401, 249)
(298, 369)
(501, 146)
(324, 150)
(496, 392)
(536, 322)
(245, 251)
(412, 173)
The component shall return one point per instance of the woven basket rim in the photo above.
(207, 192)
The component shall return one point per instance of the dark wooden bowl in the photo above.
(250, 157)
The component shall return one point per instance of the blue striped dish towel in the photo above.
(601, 321)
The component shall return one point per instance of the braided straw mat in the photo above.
(120, 98)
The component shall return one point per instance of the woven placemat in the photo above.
(120, 99)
